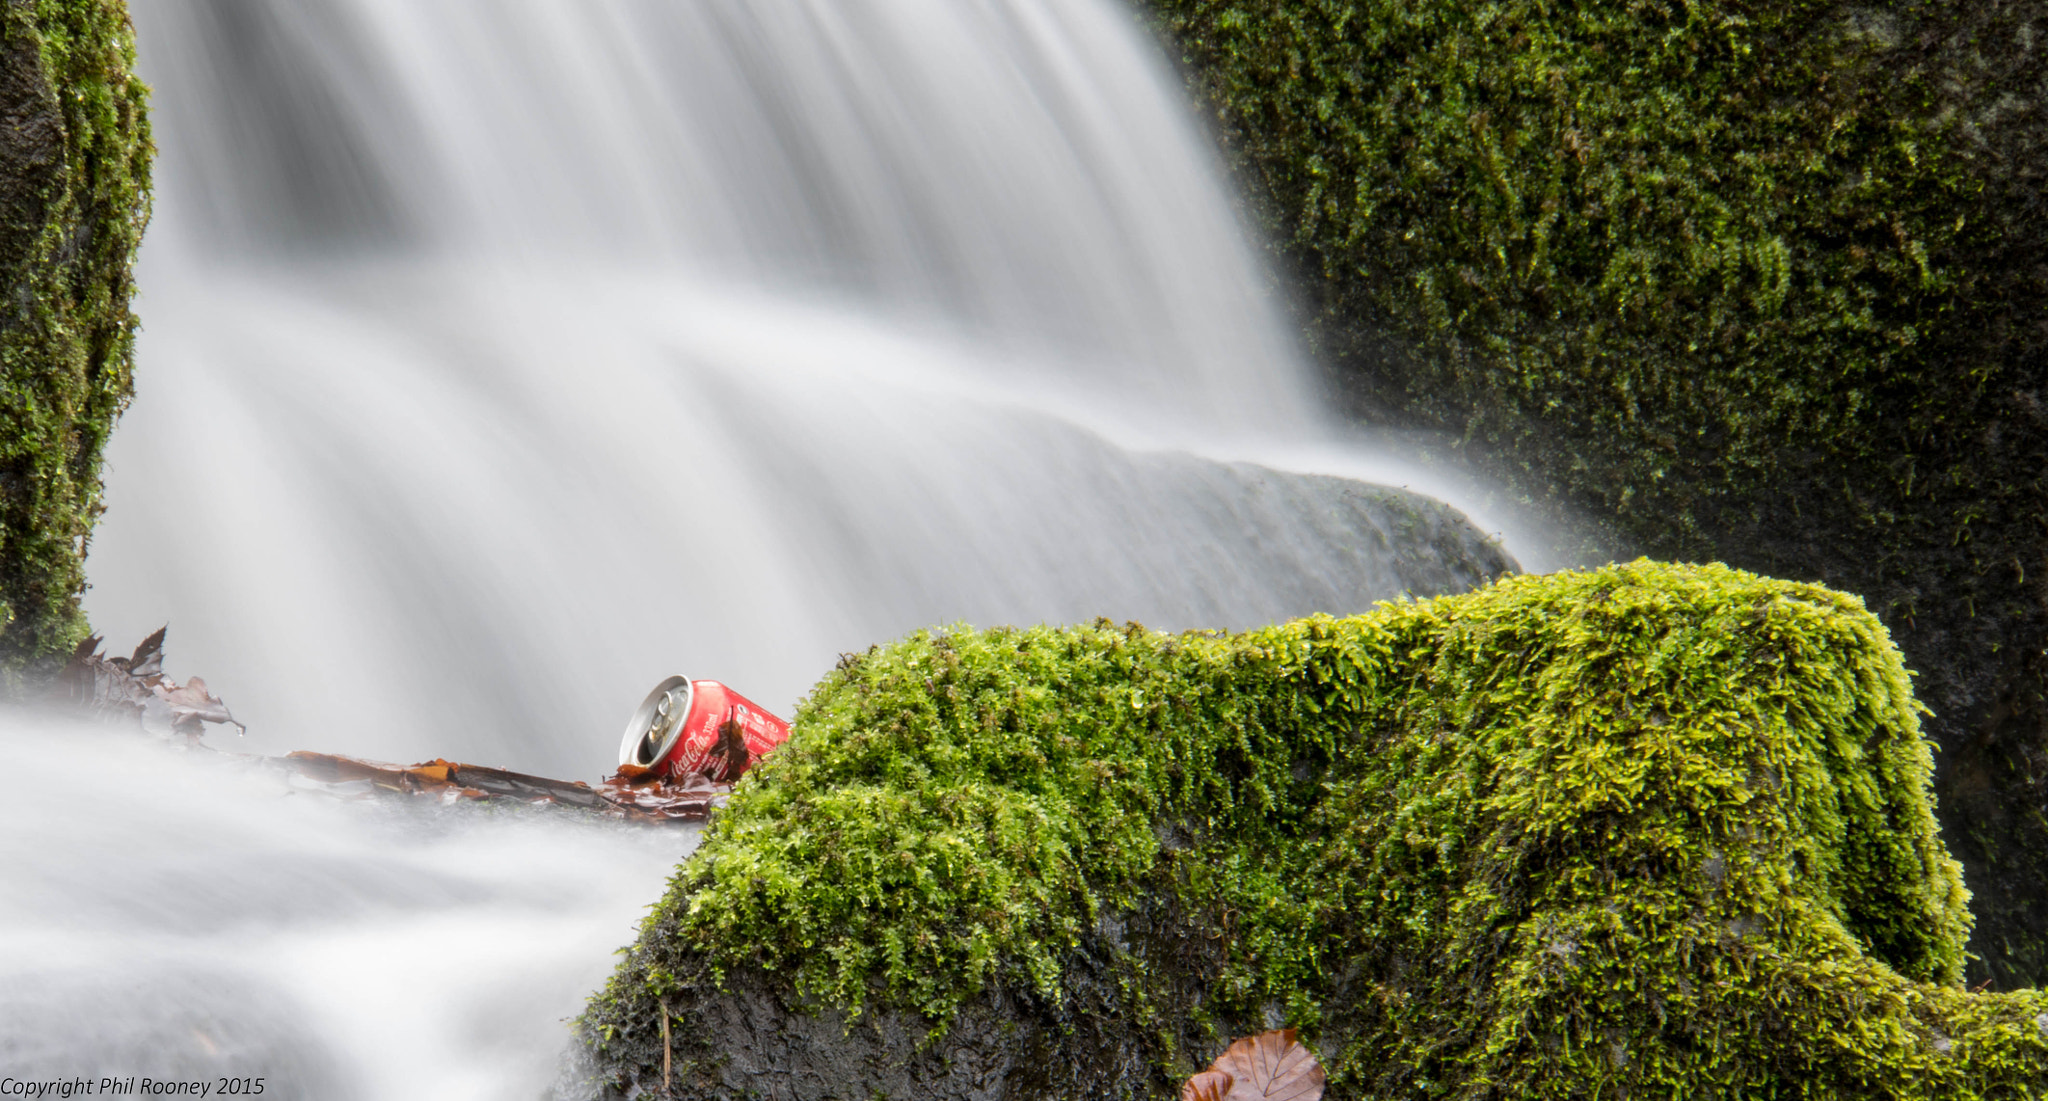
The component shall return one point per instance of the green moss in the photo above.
(77, 168)
(1649, 830)
(1755, 283)
(1693, 236)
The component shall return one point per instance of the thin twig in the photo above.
(667, 1052)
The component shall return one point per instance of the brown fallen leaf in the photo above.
(100, 685)
(134, 688)
(1209, 1085)
(1272, 1066)
(148, 659)
(192, 704)
(729, 757)
(632, 774)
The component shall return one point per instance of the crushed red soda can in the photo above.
(698, 728)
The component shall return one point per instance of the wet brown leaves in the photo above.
(652, 799)
(135, 686)
(133, 689)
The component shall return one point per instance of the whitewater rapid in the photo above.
(181, 917)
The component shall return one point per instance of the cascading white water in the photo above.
(1022, 168)
(501, 357)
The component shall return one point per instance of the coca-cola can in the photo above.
(702, 728)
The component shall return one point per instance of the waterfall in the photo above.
(502, 357)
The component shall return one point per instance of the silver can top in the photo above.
(656, 723)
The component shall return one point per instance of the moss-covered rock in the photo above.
(74, 196)
(1645, 831)
(1766, 284)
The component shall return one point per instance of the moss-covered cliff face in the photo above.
(1646, 831)
(1765, 283)
(74, 195)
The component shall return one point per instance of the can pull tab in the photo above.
(657, 729)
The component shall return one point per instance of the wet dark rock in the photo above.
(31, 152)
(754, 1038)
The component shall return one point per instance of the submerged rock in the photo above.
(1650, 828)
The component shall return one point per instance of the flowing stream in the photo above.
(501, 357)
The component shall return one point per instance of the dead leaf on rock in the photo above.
(195, 702)
(1210, 1085)
(1272, 1066)
(135, 688)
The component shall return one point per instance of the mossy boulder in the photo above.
(1763, 284)
(74, 196)
(1645, 831)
